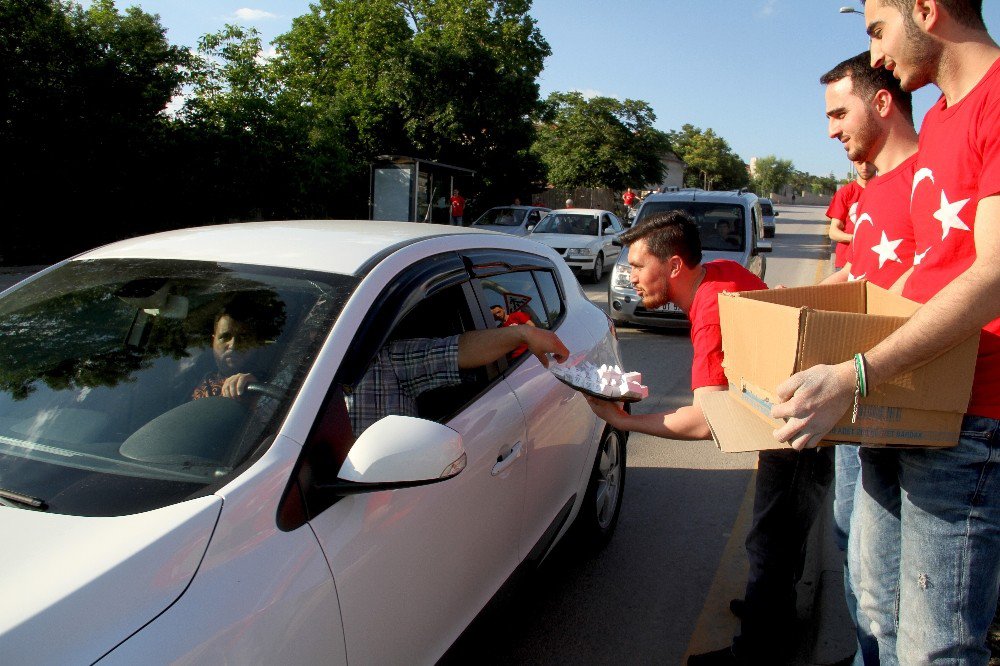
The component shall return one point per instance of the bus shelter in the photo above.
(410, 189)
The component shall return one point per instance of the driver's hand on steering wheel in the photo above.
(236, 385)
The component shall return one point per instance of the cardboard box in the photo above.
(767, 336)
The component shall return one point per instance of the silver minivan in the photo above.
(730, 225)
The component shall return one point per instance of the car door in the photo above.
(561, 428)
(612, 251)
(414, 566)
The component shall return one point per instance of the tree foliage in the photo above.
(711, 163)
(772, 174)
(599, 142)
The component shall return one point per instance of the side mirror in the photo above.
(616, 242)
(401, 451)
(764, 246)
(776, 213)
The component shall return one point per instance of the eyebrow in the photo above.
(833, 112)
(873, 25)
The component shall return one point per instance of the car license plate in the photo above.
(669, 307)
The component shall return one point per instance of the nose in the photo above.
(833, 128)
(877, 57)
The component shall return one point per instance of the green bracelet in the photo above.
(859, 366)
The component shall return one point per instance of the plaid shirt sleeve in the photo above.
(423, 364)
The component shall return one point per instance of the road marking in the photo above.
(716, 626)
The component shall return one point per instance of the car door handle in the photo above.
(506, 460)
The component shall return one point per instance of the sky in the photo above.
(748, 69)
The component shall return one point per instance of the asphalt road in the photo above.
(661, 588)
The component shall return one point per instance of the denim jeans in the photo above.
(925, 546)
(788, 496)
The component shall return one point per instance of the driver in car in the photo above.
(236, 347)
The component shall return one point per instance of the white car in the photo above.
(516, 220)
(584, 237)
(144, 525)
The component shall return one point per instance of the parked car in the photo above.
(516, 220)
(584, 237)
(142, 525)
(768, 213)
(729, 223)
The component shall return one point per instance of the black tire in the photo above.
(602, 501)
(598, 271)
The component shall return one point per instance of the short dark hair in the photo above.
(866, 81)
(967, 12)
(667, 234)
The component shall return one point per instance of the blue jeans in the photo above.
(925, 548)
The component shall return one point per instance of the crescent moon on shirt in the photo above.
(865, 217)
(919, 176)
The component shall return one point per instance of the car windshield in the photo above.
(110, 374)
(502, 217)
(766, 208)
(575, 224)
(721, 225)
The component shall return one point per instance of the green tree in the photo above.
(82, 120)
(711, 163)
(772, 174)
(600, 142)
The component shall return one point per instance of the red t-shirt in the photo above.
(516, 319)
(882, 249)
(628, 198)
(958, 164)
(706, 332)
(843, 206)
(457, 205)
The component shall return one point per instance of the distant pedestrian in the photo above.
(457, 208)
(569, 203)
(843, 210)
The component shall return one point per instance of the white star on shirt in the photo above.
(851, 278)
(886, 250)
(947, 214)
(917, 258)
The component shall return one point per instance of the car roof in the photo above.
(518, 207)
(711, 196)
(340, 246)
(766, 200)
(582, 211)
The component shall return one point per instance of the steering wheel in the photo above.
(269, 390)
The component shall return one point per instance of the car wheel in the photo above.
(598, 269)
(603, 500)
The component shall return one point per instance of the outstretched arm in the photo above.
(685, 423)
(837, 232)
(482, 347)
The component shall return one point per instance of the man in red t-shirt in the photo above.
(665, 258)
(843, 211)
(873, 117)
(516, 318)
(933, 514)
(457, 208)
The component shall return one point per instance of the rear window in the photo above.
(722, 225)
(766, 208)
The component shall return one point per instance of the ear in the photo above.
(676, 266)
(926, 14)
(883, 103)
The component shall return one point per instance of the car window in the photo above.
(554, 306)
(616, 224)
(533, 217)
(112, 394)
(504, 217)
(766, 208)
(577, 224)
(722, 226)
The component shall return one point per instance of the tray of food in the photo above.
(603, 382)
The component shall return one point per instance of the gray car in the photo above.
(768, 213)
(730, 224)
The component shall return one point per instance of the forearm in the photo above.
(897, 286)
(482, 347)
(685, 423)
(837, 232)
(838, 276)
(959, 310)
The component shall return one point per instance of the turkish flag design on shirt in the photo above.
(844, 206)
(957, 165)
(882, 249)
